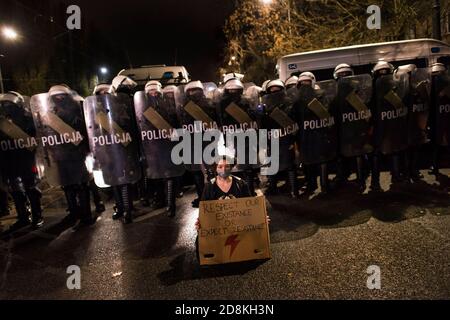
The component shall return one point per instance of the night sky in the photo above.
(164, 31)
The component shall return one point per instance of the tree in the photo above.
(32, 78)
(259, 34)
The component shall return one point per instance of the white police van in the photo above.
(421, 52)
(167, 75)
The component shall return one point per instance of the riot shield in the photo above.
(196, 116)
(440, 111)
(292, 94)
(391, 114)
(419, 107)
(18, 142)
(354, 115)
(61, 131)
(278, 119)
(111, 127)
(157, 122)
(239, 127)
(318, 132)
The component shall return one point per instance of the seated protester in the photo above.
(224, 186)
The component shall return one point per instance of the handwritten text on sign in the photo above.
(233, 230)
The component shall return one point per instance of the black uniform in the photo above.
(236, 115)
(64, 148)
(277, 118)
(114, 142)
(315, 112)
(439, 120)
(18, 146)
(390, 124)
(157, 122)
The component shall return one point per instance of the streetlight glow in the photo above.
(103, 70)
(9, 33)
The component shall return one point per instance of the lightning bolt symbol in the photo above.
(233, 243)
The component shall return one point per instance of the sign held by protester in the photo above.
(233, 230)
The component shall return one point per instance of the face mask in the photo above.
(196, 97)
(234, 96)
(225, 174)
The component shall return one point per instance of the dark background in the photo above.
(115, 34)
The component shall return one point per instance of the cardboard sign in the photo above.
(233, 230)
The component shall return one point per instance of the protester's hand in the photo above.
(268, 220)
(197, 224)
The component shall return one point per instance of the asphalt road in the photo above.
(321, 248)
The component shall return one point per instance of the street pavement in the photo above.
(322, 247)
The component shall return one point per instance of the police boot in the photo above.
(23, 214)
(145, 202)
(413, 166)
(85, 213)
(199, 181)
(375, 184)
(179, 187)
(35, 195)
(324, 181)
(360, 174)
(4, 207)
(293, 186)
(340, 175)
(171, 199)
(311, 179)
(396, 174)
(127, 204)
(250, 180)
(72, 204)
(159, 198)
(434, 169)
(118, 208)
(99, 205)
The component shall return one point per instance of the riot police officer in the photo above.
(64, 148)
(114, 142)
(354, 120)
(390, 120)
(277, 118)
(439, 113)
(317, 139)
(157, 121)
(418, 103)
(235, 116)
(196, 115)
(18, 158)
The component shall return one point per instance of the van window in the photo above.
(168, 75)
(445, 60)
(420, 63)
(327, 74)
